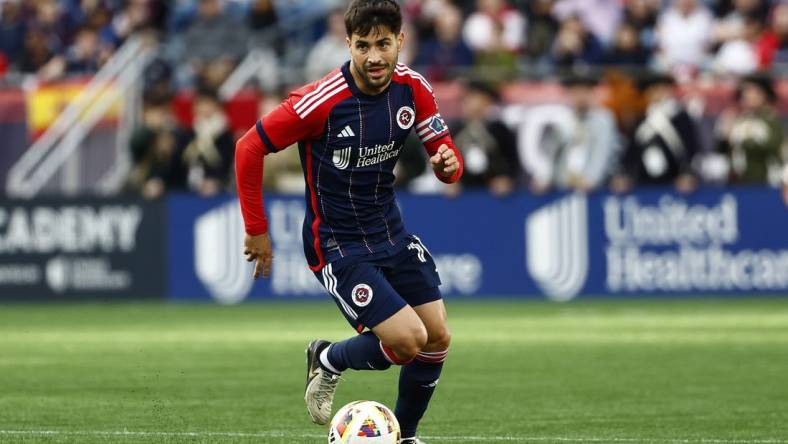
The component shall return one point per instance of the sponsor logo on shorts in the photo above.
(405, 117)
(362, 295)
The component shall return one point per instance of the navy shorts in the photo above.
(370, 289)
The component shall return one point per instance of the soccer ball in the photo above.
(364, 422)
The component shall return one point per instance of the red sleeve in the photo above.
(290, 122)
(249, 152)
(430, 126)
(274, 132)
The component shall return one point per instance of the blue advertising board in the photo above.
(559, 246)
(69, 249)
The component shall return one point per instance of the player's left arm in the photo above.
(445, 158)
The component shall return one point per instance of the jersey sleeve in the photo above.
(430, 126)
(288, 124)
(249, 152)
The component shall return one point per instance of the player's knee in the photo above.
(411, 342)
(439, 341)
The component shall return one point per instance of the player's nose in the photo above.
(375, 57)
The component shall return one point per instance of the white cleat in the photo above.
(320, 384)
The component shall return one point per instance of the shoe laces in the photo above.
(327, 386)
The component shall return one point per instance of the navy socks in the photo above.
(417, 379)
(417, 382)
(361, 352)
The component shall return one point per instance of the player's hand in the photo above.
(445, 161)
(258, 248)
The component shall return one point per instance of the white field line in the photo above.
(283, 434)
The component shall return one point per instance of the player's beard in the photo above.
(379, 83)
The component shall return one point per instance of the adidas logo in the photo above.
(347, 132)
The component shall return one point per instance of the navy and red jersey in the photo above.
(349, 143)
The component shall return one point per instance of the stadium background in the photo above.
(118, 120)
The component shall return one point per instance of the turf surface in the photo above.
(710, 371)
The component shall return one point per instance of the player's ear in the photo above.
(400, 40)
(347, 39)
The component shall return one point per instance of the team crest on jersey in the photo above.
(362, 295)
(341, 158)
(405, 117)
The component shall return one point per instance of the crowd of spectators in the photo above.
(207, 38)
(587, 143)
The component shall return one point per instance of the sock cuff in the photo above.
(392, 357)
(433, 357)
(324, 361)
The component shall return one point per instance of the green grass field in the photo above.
(709, 371)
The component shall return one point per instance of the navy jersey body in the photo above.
(349, 143)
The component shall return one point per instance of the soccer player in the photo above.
(350, 127)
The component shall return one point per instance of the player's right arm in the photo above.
(275, 131)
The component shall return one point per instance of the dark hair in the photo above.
(483, 88)
(579, 77)
(205, 93)
(760, 80)
(363, 16)
(652, 78)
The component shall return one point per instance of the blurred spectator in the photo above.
(599, 17)
(135, 16)
(157, 80)
(732, 25)
(664, 144)
(48, 17)
(208, 147)
(738, 55)
(330, 51)
(85, 55)
(642, 15)
(627, 49)
(683, 34)
(282, 172)
(588, 143)
(542, 29)
(495, 26)
(213, 44)
(412, 165)
(423, 13)
(487, 145)
(753, 136)
(773, 45)
(46, 37)
(12, 31)
(438, 56)
(37, 51)
(157, 164)
(624, 100)
(264, 24)
(575, 46)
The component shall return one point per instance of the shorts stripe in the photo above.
(330, 282)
